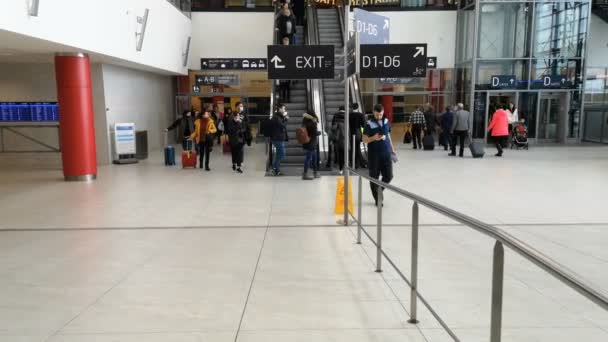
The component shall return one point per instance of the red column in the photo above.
(76, 120)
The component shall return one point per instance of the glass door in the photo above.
(551, 117)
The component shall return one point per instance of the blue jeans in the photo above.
(311, 160)
(280, 146)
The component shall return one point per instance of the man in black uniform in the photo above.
(379, 148)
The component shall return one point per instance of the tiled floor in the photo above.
(149, 253)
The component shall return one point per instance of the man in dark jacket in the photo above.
(356, 124)
(278, 136)
(286, 24)
(309, 122)
(429, 118)
(447, 119)
(186, 126)
(337, 137)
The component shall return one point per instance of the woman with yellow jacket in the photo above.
(204, 130)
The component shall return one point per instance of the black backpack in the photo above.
(337, 133)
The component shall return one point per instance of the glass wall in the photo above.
(183, 5)
(538, 46)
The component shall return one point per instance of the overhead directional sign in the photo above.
(552, 82)
(393, 61)
(431, 62)
(372, 28)
(222, 79)
(300, 62)
(503, 82)
(233, 64)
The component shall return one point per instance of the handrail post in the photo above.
(414, 276)
(498, 265)
(379, 232)
(353, 163)
(359, 210)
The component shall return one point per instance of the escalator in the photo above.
(600, 8)
(330, 33)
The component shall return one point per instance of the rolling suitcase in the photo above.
(189, 156)
(477, 149)
(169, 153)
(428, 142)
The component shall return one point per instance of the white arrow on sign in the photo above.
(419, 51)
(386, 24)
(276, 60)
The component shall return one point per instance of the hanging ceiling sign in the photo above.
(371, 27)
(252, 64)
(221, 79)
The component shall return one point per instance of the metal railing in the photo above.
(502, 238)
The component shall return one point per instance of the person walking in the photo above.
(337, 136)
(309, 122)
(356, 125)
(186, 127)
(376, 135)
(218, 118)
(418, 125)
(236, 129)
(447, 119)
(203, 135)
(430, 119)
(278, 136)
(286, 25)
(499, 127)
(460, 129)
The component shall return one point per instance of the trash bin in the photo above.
(141, 145)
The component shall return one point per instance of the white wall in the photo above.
(436, 28)
(104, 27)
(140, 97)
(597, 52)
(129, 95)
(239, 35)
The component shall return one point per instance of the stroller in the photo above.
(519, 136)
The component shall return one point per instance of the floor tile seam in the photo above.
(265, 330)
(156, 332)
(560, 244)
(257, 265)
(275, 226)
(105, 293)
(417, 326)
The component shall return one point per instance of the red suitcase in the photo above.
(189, 156)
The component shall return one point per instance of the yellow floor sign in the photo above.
(339, 208)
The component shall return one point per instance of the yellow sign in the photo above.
(339, 208)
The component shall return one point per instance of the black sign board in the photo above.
(393, 60)
(503, 82)
(431, 62)
(222, 79)
(234, 64)
(300, 62)
(552, 82)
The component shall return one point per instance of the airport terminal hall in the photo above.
(304, 171)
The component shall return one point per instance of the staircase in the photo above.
(294, 154)
(330, 33)
(600, 8)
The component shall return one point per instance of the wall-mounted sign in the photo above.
(503, 82)
(234, 64)
(552, 82)
(394, 60)
(221, 79)
(372, 28)
(300, 62)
